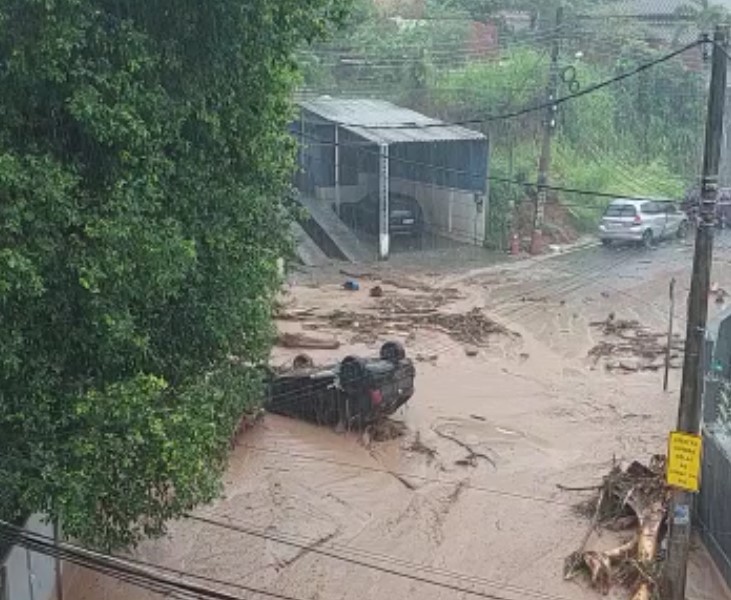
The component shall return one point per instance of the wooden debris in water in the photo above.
(633, 498)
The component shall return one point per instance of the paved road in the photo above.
(600, 280)
(537, 410)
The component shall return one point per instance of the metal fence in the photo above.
(713, 513)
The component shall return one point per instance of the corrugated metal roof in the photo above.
(385, 123)
(657, 7)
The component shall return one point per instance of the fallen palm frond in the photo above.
(632, 498)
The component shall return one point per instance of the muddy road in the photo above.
(467, 498)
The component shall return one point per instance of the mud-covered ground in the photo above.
(531, 374)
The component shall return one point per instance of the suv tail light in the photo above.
(638, 220)
(376, 397)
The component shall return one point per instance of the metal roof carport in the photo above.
(391, 141)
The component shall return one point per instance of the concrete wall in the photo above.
(447, 212)
(28, 575)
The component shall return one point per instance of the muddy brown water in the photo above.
(533, 411)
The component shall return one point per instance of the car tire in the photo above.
(392, 352)
(606, 243)
(683, 230)
(302, 361)
(353, 372)
(648, 239)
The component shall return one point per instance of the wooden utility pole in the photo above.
(669, 349)
(689, 414)
(536, 246)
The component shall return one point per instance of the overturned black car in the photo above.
(353, 392)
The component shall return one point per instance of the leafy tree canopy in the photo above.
(142, 154)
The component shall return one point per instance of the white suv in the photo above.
(642, 221)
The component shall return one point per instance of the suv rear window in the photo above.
(620, 210)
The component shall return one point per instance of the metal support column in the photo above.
(384, 238)
(337, 169)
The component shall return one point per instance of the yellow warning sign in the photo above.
(684, 461)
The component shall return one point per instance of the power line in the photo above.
(129, 570)
(324, 552)
(578, 191)
(558, 101)
(458, 43)
(309, 545)
(478, 488)
(365, 148)
(113, 565)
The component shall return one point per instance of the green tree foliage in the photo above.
(375, 51)
(143, 152)
(543, 11)
(640, 136)
(702, 15)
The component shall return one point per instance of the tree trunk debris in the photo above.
(636, 497)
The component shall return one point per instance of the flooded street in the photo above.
(467, 503)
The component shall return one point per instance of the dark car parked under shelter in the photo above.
(405, 215)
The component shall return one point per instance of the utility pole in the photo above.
(689, 414)
(536, 246)
(669, 349)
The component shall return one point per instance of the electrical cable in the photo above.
(448, 44)
(364, 148)
(31, 540)
(389, 571)
(137, 570)
(436, 480)
(546, 105)
(304, 543)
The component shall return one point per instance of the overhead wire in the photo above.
(558, 189)
(573, 190)
(409, 60)
(132, 571)
(112, 565)
(414, 476)
(543, 106)
(458, 43)
(312, 545)
(576, 285)
(323, 551)
(365, 148)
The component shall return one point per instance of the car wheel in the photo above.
(606, 243)
(648, 239)
(302, 361)
(353, 372)
(393, 352)
(683, 230)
